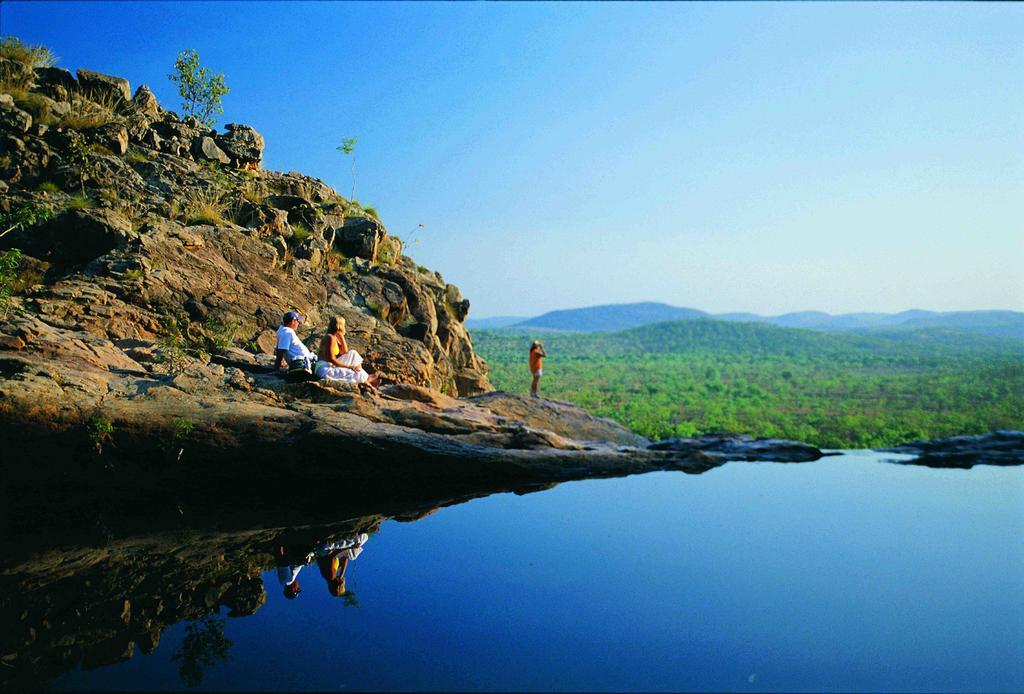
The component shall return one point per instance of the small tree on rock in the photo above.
(201, 91)
(348, 148)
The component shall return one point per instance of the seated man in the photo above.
(289, 346)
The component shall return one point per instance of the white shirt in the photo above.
(287, 574)
(289, 341)
(347, 545)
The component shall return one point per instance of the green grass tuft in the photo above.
(80, 202)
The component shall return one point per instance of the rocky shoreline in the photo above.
(156, 261)
(994, 448)
(136, 355)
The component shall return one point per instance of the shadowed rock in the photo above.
(741, 447)
(994, 448)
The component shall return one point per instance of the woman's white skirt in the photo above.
(339, 373)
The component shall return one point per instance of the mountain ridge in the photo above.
(615, 317)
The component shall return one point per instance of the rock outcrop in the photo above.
(158, 258)
(994, 448)
(732, 447)
(158, 218)
(143, 314)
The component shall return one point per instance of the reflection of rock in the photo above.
(739, 447)
(68, 607)
(72, 608)
(994, 448)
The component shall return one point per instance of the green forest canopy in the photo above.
(832, 390)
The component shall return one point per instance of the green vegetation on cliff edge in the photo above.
(831, 390)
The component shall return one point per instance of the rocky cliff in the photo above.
(158, 226)
(157, 258)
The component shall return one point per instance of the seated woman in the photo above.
(337, 361)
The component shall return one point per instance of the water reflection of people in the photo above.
(290, 561)
(332, 559)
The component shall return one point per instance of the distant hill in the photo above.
(994, 323)
(614, 317)
(494, 322)
(609, 318)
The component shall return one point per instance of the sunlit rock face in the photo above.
(157, 261)
(155, 217)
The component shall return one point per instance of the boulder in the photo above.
(267, 342)
(265, 219)
(145, 101)
(113, 136)
(205, 148)
(305, 187)
(99, 85)
(50, 77)
(360, 238)
(13, 119)
(138, 126)
(728, 447)
(15, 72)
(1004, 447)
(286, 202)
(73, 238)
(242, 143)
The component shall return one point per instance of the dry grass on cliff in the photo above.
(27, 54)
(24, 59)
(85, 115)
(205, 207)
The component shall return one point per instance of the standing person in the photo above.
(289, 346)
(337, 361)
(537, 355)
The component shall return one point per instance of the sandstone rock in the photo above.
(56, 77)
(173, 129)
(145, 101)
(14, 119)
(242, 143)
(264, 219)
(138, 126)
(406, 391)
(556, 416)
(15, 72)
(306, 187)
(54, 108)
(267, 341)
(74, 238)
(104, 86)
(205, 148)
(360, 238)
(1004, 447)
(114, 136)
(742, 447)
(286, 202)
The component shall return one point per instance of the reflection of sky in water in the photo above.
(841, 574)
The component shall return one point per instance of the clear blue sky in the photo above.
(762, 157)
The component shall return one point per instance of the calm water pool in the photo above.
(849, 573)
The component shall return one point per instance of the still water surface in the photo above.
(849, 573)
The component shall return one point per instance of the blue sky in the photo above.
(764, 157)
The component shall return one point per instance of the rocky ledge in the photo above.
(994, 448)
(731, 447)
(156, 259)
